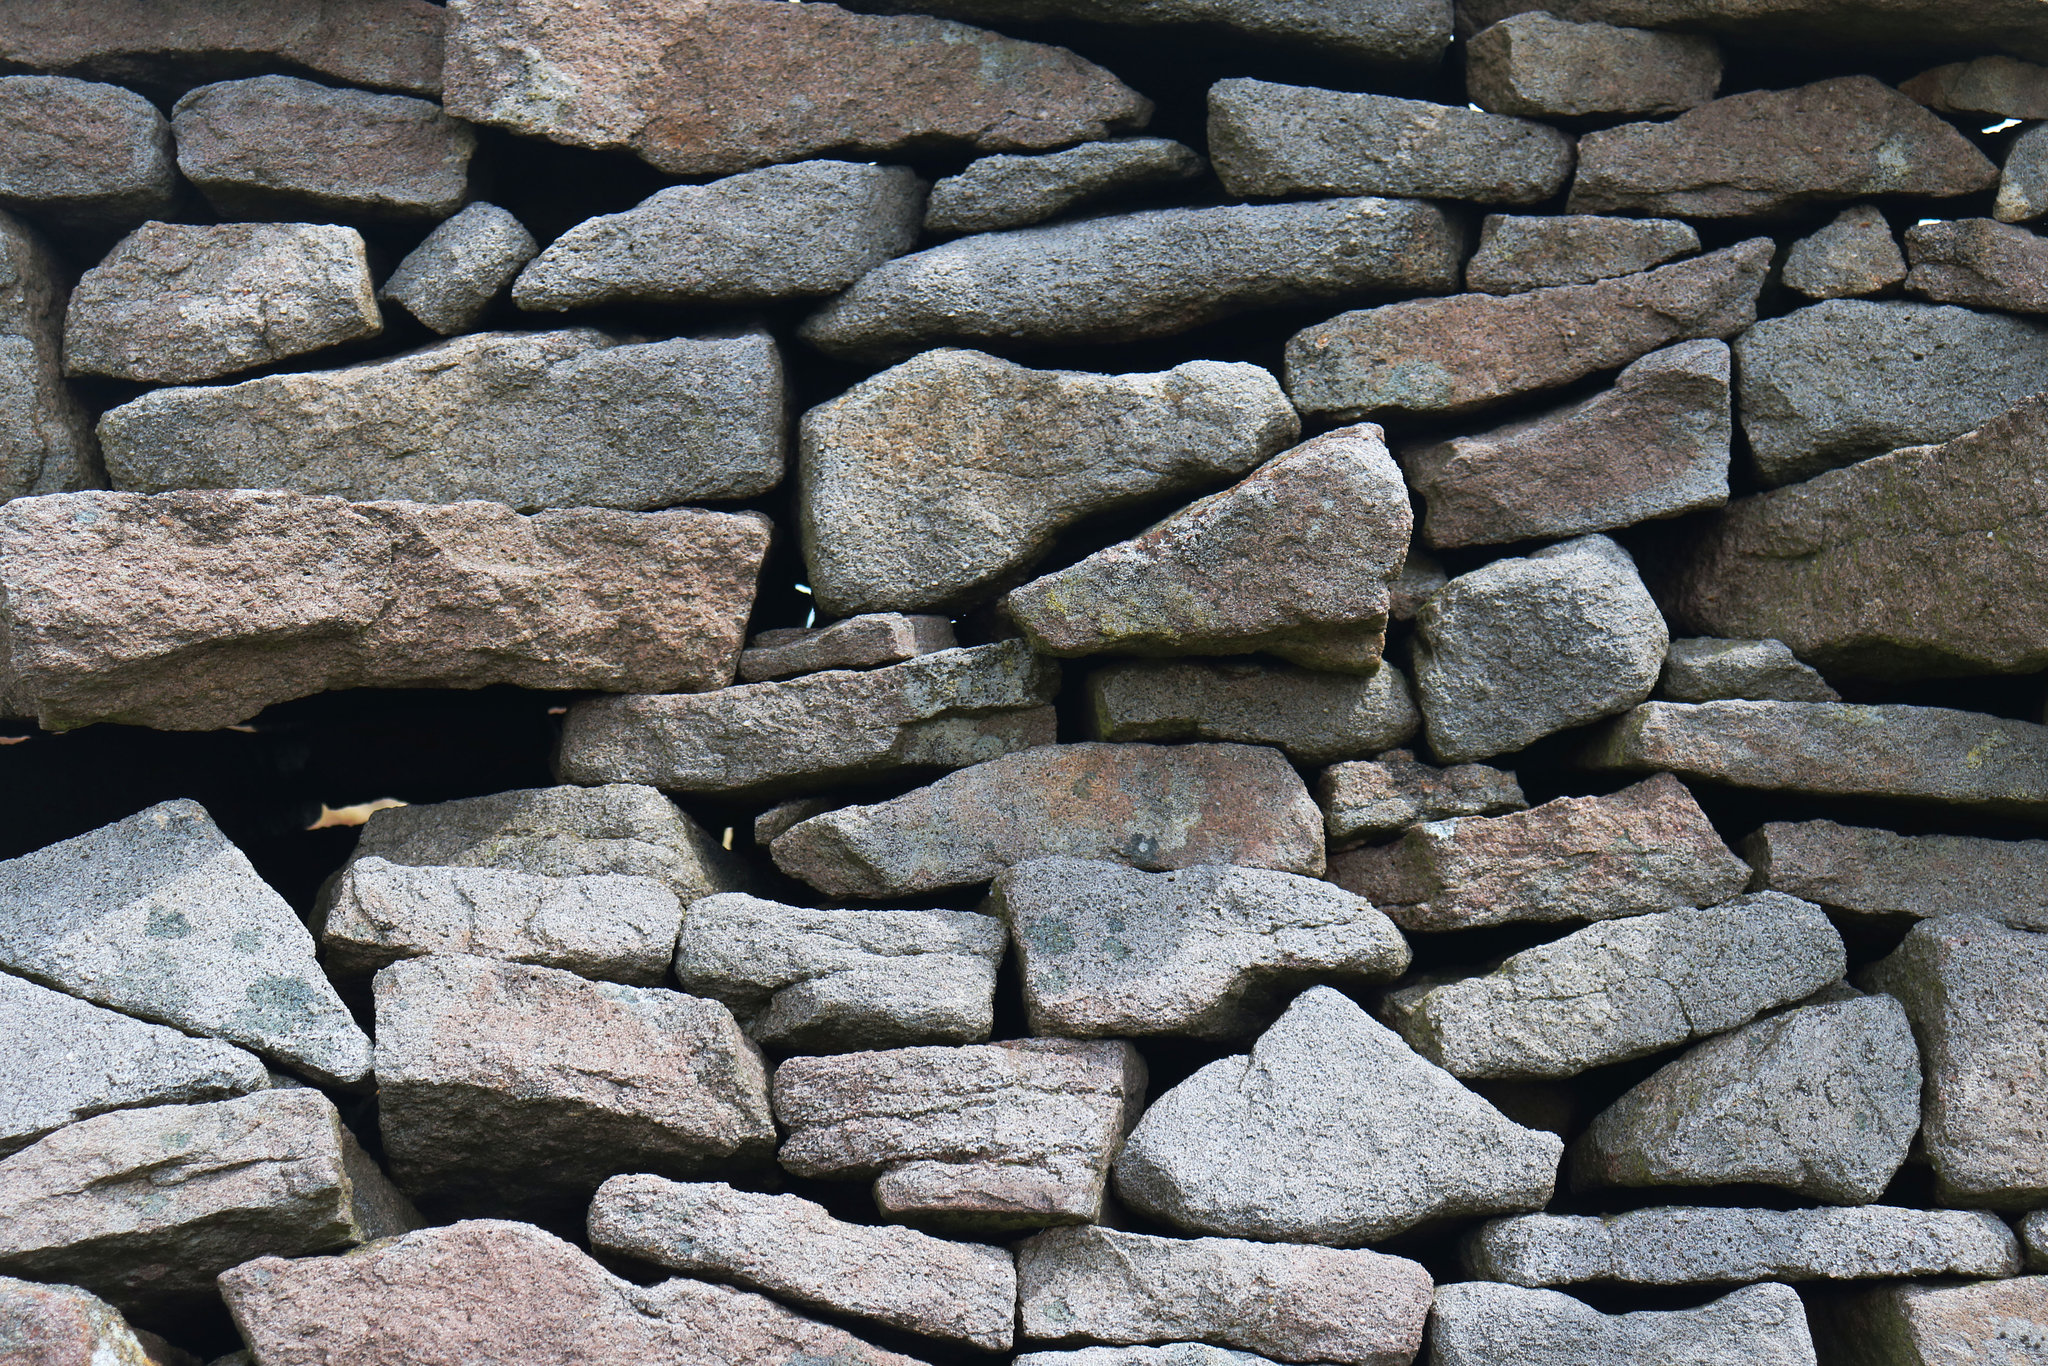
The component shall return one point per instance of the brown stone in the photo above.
(1316, 718)
(1518, 252)
(863, 642)
(1829, 26)
(61, 1325)
(1998, 86)
(1852, 256)
(1545, 67)
(1870, 872)
(1378, 797)
(46, 444)
(1985, 1323)
(1980, 262)
(81, 155)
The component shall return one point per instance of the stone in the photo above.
(930, 714)
(451, 279)
(1653, 446)
(1295, 1303)
(1421, 575)
(2034, 1234)
(1125, 277)
(790, 1247)
(2001, 1323)
(1978, 261)
(1999, 86)
(175, 303)
(414, 1302)
(63, 1060)
(593, 1077)
(1485, 1323)
(863, 642)
(188, 611)
(1623, 989)
(709, 87)
(777, 233)
(1705, 669)
(1366, 799)
(1155, 807)
(160, 917)
(1268, 140)
(145, 1207)
(1523, 648)
(1857, 871)
(1462, 353)
(1108, 951)
(772, 823)
(1645, 849)
(1769, 151)
(1854, 254)
(1977, 993)
(1823, 1100)
(2023, 181)
(1008, 458)
(983, 1139)
(1542, 67)
(280, 147)
(1518, 253)
(1315, 718)
(61, 1325)
(1172, 1354)
(46, 439)
(824, 981)
(1006, 191)
(1294, 560)
(83, 156)
(576, 418)
(1675, 1245)
(1330, 1131)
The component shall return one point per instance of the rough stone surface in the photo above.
(1421, 575)
(1367, 799)
(450, 280)
(2023, 181)
(174, 303)
(788, 1246)
(46, 440)
(1015, 191)
(1267, 139)
(1330, 1131)
(936, 712)
(1110, 951)
(1295, 1303)
(61, 1325)
(1543, 67)
(1623, 989)
(1131, 276)
(777, 233)
(139, 609)
(1315, 718)
(1457, 354)
(1999, 86)
(862, 642)
(708, 87)
(1855, 254)
(1007, 458)
(576, 418)
(1485, 1323)
(1869, 872)
(2034, 1234)
(1767, 151)
(1655, 445)
(1171, 1354)
(1980, 262)
(593, 1077)
(81, 155)
(1995, 1323)
(828, 981)
(1294, 560)
(984, 1139)
(1706, 669)
(1524, 648)
(1155, 807)
(1517, 254)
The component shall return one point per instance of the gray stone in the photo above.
(863, 642)
(1007, 458)
(1978, 261)
(1171, 1354)
(592, 1077)
(1016, 191)
(1294, 560)
(1864, 872)
(1131, 276)
(777, 233)
(1485, 1323)
(1367, 799)
(1110, 951)
(2034, 1235)
(1524, 648)
(61, 1325)
(83, 156)
(2023, 182)
(1999, 86)
(1543, 67)
(1623, 989)
(576, 418)
(1653, 446)
(823, 981)
(788, 1246)
(160, 917)
(1855, 254)
(1315, 718)
(1519, 253)
(1707, 669)
(1420, 576)
(1995, 1323)
(1330, 1131)
(933, 713)
(46, 439)
(280, 147)
(1836, 26)
(1290, 1302)
(770, 825)
(464, 266)
(1822, 1100)
(982, 1139)
(1155, 807)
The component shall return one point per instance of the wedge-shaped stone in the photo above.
(788, 1246)
(61, 1325)
(82, 156)
(1855, 254)
(1014, 192)
(591, 1076)
(2034, 1236)
(833, 981)
(1129, 276)
(862, 642)
(1485, 1323)
(1545, 68)
(1330, 1131)
(1980, 262)
(1623, 989)
(568, 419)
(1868, 872)
(1007, 458)
(1156, 807)
(1710, 670)
(46, 445)
(982, 1139)
(1994, 1322)
(2023, 181)
(1315, 717)
(1517, 254)
(1290, 1302)
(1461, 353)
(1295, 560)
(2000, 86)
(188, 611)
(450, 280)
(1364, 800)
(1110, 951)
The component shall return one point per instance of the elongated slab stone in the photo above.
(1980, 262)
(1013, 192)
(1941, 1325)
(1519, 253)
(450, 280)
(1366, 799)
(82, 155)
(1870, 872)
(1314, 717)
(1485, 1323)
(46, 445)
(1543, 67)
(863, 642)
(1712, 670)
(1824, 25)
(1853, 255)
(2000, 86)
(1171, 1354)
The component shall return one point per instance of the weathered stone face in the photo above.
(1517, 254)
(1480, 1323)
(2000, 86)
(1704, 669)
(82, 155)
(1006, 191)
(450, 280)
(61, 1325)
(2023, 183)
(1980, 262)
(1388, 794)
(46, 445)
(863, 642)
(1877, 873)
(1313, 717)
(1543, 67)
(1852, 255)
(1941, 1324)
